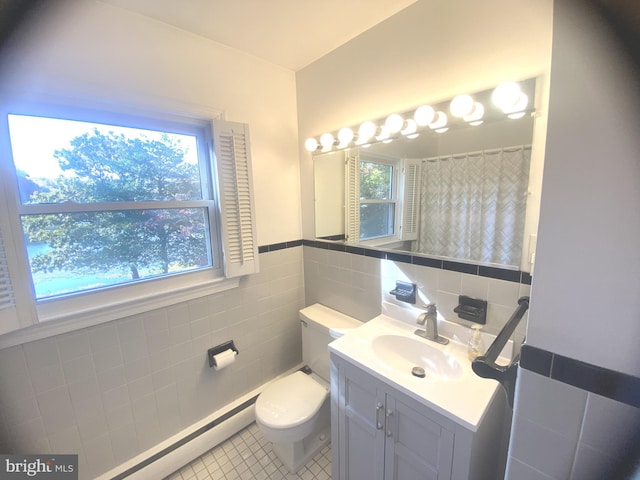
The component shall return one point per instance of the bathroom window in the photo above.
(104, 205)
(108, 204)
(378, 199)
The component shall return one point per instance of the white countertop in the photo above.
(463, 399)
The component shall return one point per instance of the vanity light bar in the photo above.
(508, 98)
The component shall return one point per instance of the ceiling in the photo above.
(289, 33)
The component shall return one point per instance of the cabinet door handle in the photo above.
(387, 422)
(379, 425)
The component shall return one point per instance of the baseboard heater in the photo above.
(178, 453)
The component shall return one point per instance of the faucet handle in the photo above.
(430, 308)
(431, 328)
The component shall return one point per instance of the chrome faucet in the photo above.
(429, 319)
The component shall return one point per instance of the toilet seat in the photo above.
(290, 401)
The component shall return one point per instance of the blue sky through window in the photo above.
(34, 141)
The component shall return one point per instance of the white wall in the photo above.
(585, 299)
(88, 49)
(112, 391)
(329, 191)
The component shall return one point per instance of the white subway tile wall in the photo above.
(567, 433)
(345, 282)
(354, 284)
(111, 391)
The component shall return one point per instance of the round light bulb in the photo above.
(519, 105)
(506, 95)
(394, 123)
(424, 115)
(366, 131)
(410, 128)
(311, 144)
(461, 105)
(383, 135)
(326, 140)
(475, 117)
(345, 135)
(440, 121)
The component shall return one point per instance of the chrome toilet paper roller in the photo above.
(222, 355)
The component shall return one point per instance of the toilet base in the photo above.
(295, 455)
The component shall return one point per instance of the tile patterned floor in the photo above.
(248, 456)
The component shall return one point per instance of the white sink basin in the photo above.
(402, 353)
(388, 349)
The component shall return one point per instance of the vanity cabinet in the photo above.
(379, 433)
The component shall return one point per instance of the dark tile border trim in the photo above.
(279, 246)
(469, 268)
(601, 381)
(515, 276)
(502, 274)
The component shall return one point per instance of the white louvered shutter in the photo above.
(352, 191)
(233, 163)
(411, 199)
(16, 311)
(8, 312)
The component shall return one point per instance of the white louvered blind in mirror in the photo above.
(233, 162)
(352, 204)
(411, 199)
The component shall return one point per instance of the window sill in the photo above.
(379, 242)
(55, 320)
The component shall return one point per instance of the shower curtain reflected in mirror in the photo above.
(473, 205)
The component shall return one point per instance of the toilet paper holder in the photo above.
(219, 349)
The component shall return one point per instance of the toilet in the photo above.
(293, 412)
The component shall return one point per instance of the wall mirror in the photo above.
(459, 193)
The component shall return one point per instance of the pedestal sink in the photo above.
(402, 353)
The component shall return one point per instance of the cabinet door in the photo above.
(361, 427)
(417, 447)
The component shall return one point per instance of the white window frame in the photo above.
(395, 198)
(406, 196)
(231, 213)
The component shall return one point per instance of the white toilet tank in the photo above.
(320, 326)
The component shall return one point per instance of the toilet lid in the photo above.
(290, 401)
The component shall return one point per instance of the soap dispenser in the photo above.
(475, 347)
